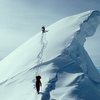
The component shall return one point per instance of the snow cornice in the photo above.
(88, 27)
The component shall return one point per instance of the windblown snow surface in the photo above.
(67, 70)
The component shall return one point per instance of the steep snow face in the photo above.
(76, 49)
(67, 71)
(59, 36)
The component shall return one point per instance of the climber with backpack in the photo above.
(43, 29)
(38, 83)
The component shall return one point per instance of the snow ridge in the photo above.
(67, 71)
(87, 28)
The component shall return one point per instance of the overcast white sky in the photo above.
(21, 19)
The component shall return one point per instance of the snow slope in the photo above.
(67, 70)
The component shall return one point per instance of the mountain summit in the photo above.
(67, 71)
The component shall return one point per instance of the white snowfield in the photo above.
(67, 71)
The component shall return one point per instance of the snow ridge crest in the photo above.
(88, 27)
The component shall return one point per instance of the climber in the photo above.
(43, 29)
(38, 83)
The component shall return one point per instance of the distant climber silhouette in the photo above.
(43, 29)
(38, 83)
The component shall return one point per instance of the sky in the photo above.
(22, 19)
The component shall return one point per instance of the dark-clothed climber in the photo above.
(38, 83)
(43, 29)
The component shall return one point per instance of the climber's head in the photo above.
(38, 77)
